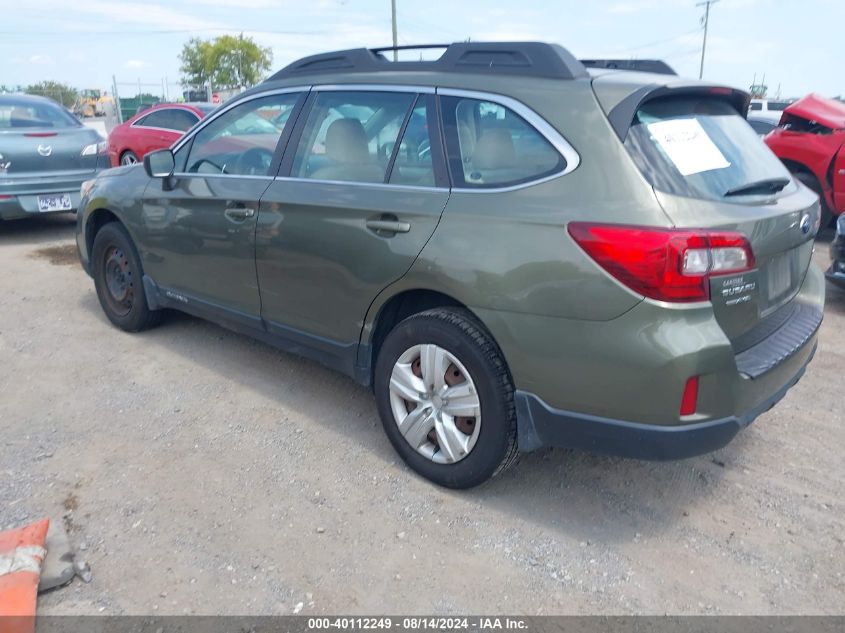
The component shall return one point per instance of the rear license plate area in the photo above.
(56, 202)
(779, 276)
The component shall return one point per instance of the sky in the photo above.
(798, 45)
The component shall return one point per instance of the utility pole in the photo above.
(395, 35)
(706, 4)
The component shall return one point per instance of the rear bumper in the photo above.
(616, 386)
(541, 425)
(24, 191)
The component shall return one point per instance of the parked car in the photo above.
(810, 141)
(768, 109)
(152, 128)
(45, 155)
(761, 126)
(511, 249)
(836, 272)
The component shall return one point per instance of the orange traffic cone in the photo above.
(21, 554)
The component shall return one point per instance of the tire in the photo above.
(118, 279)
(489, 439)
(810, 181)
(128, 158)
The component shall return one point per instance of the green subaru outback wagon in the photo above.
(512, 247)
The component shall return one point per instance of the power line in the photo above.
(30, 34)
(655, 43)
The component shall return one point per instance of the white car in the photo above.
(768, 109)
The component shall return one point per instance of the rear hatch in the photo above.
(710, 170)
(43, 151)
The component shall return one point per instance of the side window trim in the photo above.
(286, 163)
(571, 157)
(388, 171)
(187, 141)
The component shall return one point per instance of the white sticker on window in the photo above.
(687, 145)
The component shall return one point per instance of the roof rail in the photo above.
(532, 59)
(657, 66)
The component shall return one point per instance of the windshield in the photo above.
(701, 148)
(19, 113)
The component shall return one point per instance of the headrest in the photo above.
(494, 150)
(346, 141)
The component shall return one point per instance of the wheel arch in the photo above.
(388, 310)
(96, 220)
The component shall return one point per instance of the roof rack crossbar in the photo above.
(533, 59)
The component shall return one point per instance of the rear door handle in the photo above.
(239, 214)
(388, 226)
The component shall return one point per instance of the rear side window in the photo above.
(350, 136)
(700, 148)
(491, 146)
(756, 105)
(175, 119)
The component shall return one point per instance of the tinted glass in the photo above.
(699, 148)
(778, 105)
(761, 127)
(413, 164)
(175, 119)
(18, 113)
(350, 136)
(489, 145)
(242, 141)
(756, 105)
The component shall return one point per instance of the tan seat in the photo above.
(348, 151)
(494, 159)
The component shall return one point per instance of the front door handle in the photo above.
(388, 226)
(239, 214)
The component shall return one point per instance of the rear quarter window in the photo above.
(491, 146)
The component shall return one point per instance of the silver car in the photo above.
(45, 155)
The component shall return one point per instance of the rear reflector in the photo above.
(665, 264)
(689, 401)
(6, 197)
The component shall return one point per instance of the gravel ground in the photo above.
(199, 471)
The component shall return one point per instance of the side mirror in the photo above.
(159, 164)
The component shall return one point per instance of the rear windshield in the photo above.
(700, 148)
(15, 114)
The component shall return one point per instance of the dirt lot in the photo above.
(202, 472)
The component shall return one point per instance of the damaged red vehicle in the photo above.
(810, 140)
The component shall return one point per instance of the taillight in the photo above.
(665, 264)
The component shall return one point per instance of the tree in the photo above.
(226, 61)
(59, 92)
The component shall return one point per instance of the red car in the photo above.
(155, 128)
(810, 140)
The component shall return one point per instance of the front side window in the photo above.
(350, 136)
(702, 148)
(243, 140)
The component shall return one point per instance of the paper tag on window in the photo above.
(687, 145)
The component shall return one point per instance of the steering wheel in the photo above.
(254, 162)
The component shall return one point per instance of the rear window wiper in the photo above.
(769, 185)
